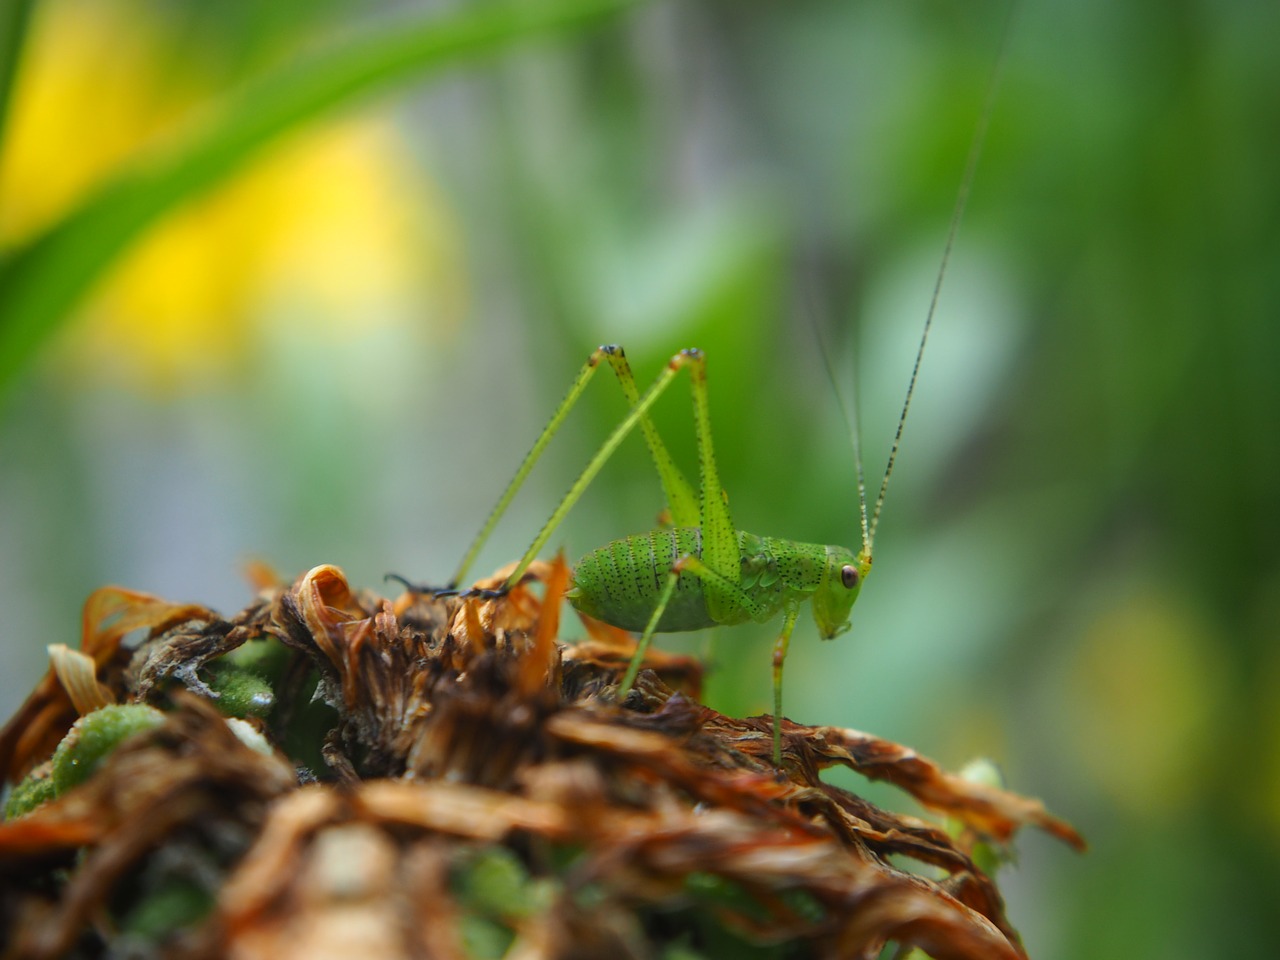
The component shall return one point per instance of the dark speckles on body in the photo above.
(620, 582)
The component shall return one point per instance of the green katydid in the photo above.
(702, 571)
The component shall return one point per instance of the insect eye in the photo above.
(849, 576)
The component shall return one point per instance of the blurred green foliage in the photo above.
(41, 280)
(1077, 571)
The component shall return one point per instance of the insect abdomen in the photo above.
(620, 582)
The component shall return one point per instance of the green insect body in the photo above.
(622, 582)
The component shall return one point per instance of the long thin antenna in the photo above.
(850, 423)
(957, 214)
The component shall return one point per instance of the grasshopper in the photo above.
(701, 571)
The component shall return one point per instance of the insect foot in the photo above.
(468, 593)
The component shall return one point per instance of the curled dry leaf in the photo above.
(481, 794)
(109, 614)
(78, 675)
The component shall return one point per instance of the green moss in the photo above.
(241, 692)
(265, 656)
(35, 789)
(92, 738)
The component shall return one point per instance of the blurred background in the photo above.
(300, 282)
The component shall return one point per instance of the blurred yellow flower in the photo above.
(332, 223)
(90, 90)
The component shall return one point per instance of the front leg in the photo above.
(779, 656)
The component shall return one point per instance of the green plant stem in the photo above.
(43, 280)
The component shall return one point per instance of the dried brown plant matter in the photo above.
(481, 794)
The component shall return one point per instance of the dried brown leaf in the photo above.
(464, 726)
